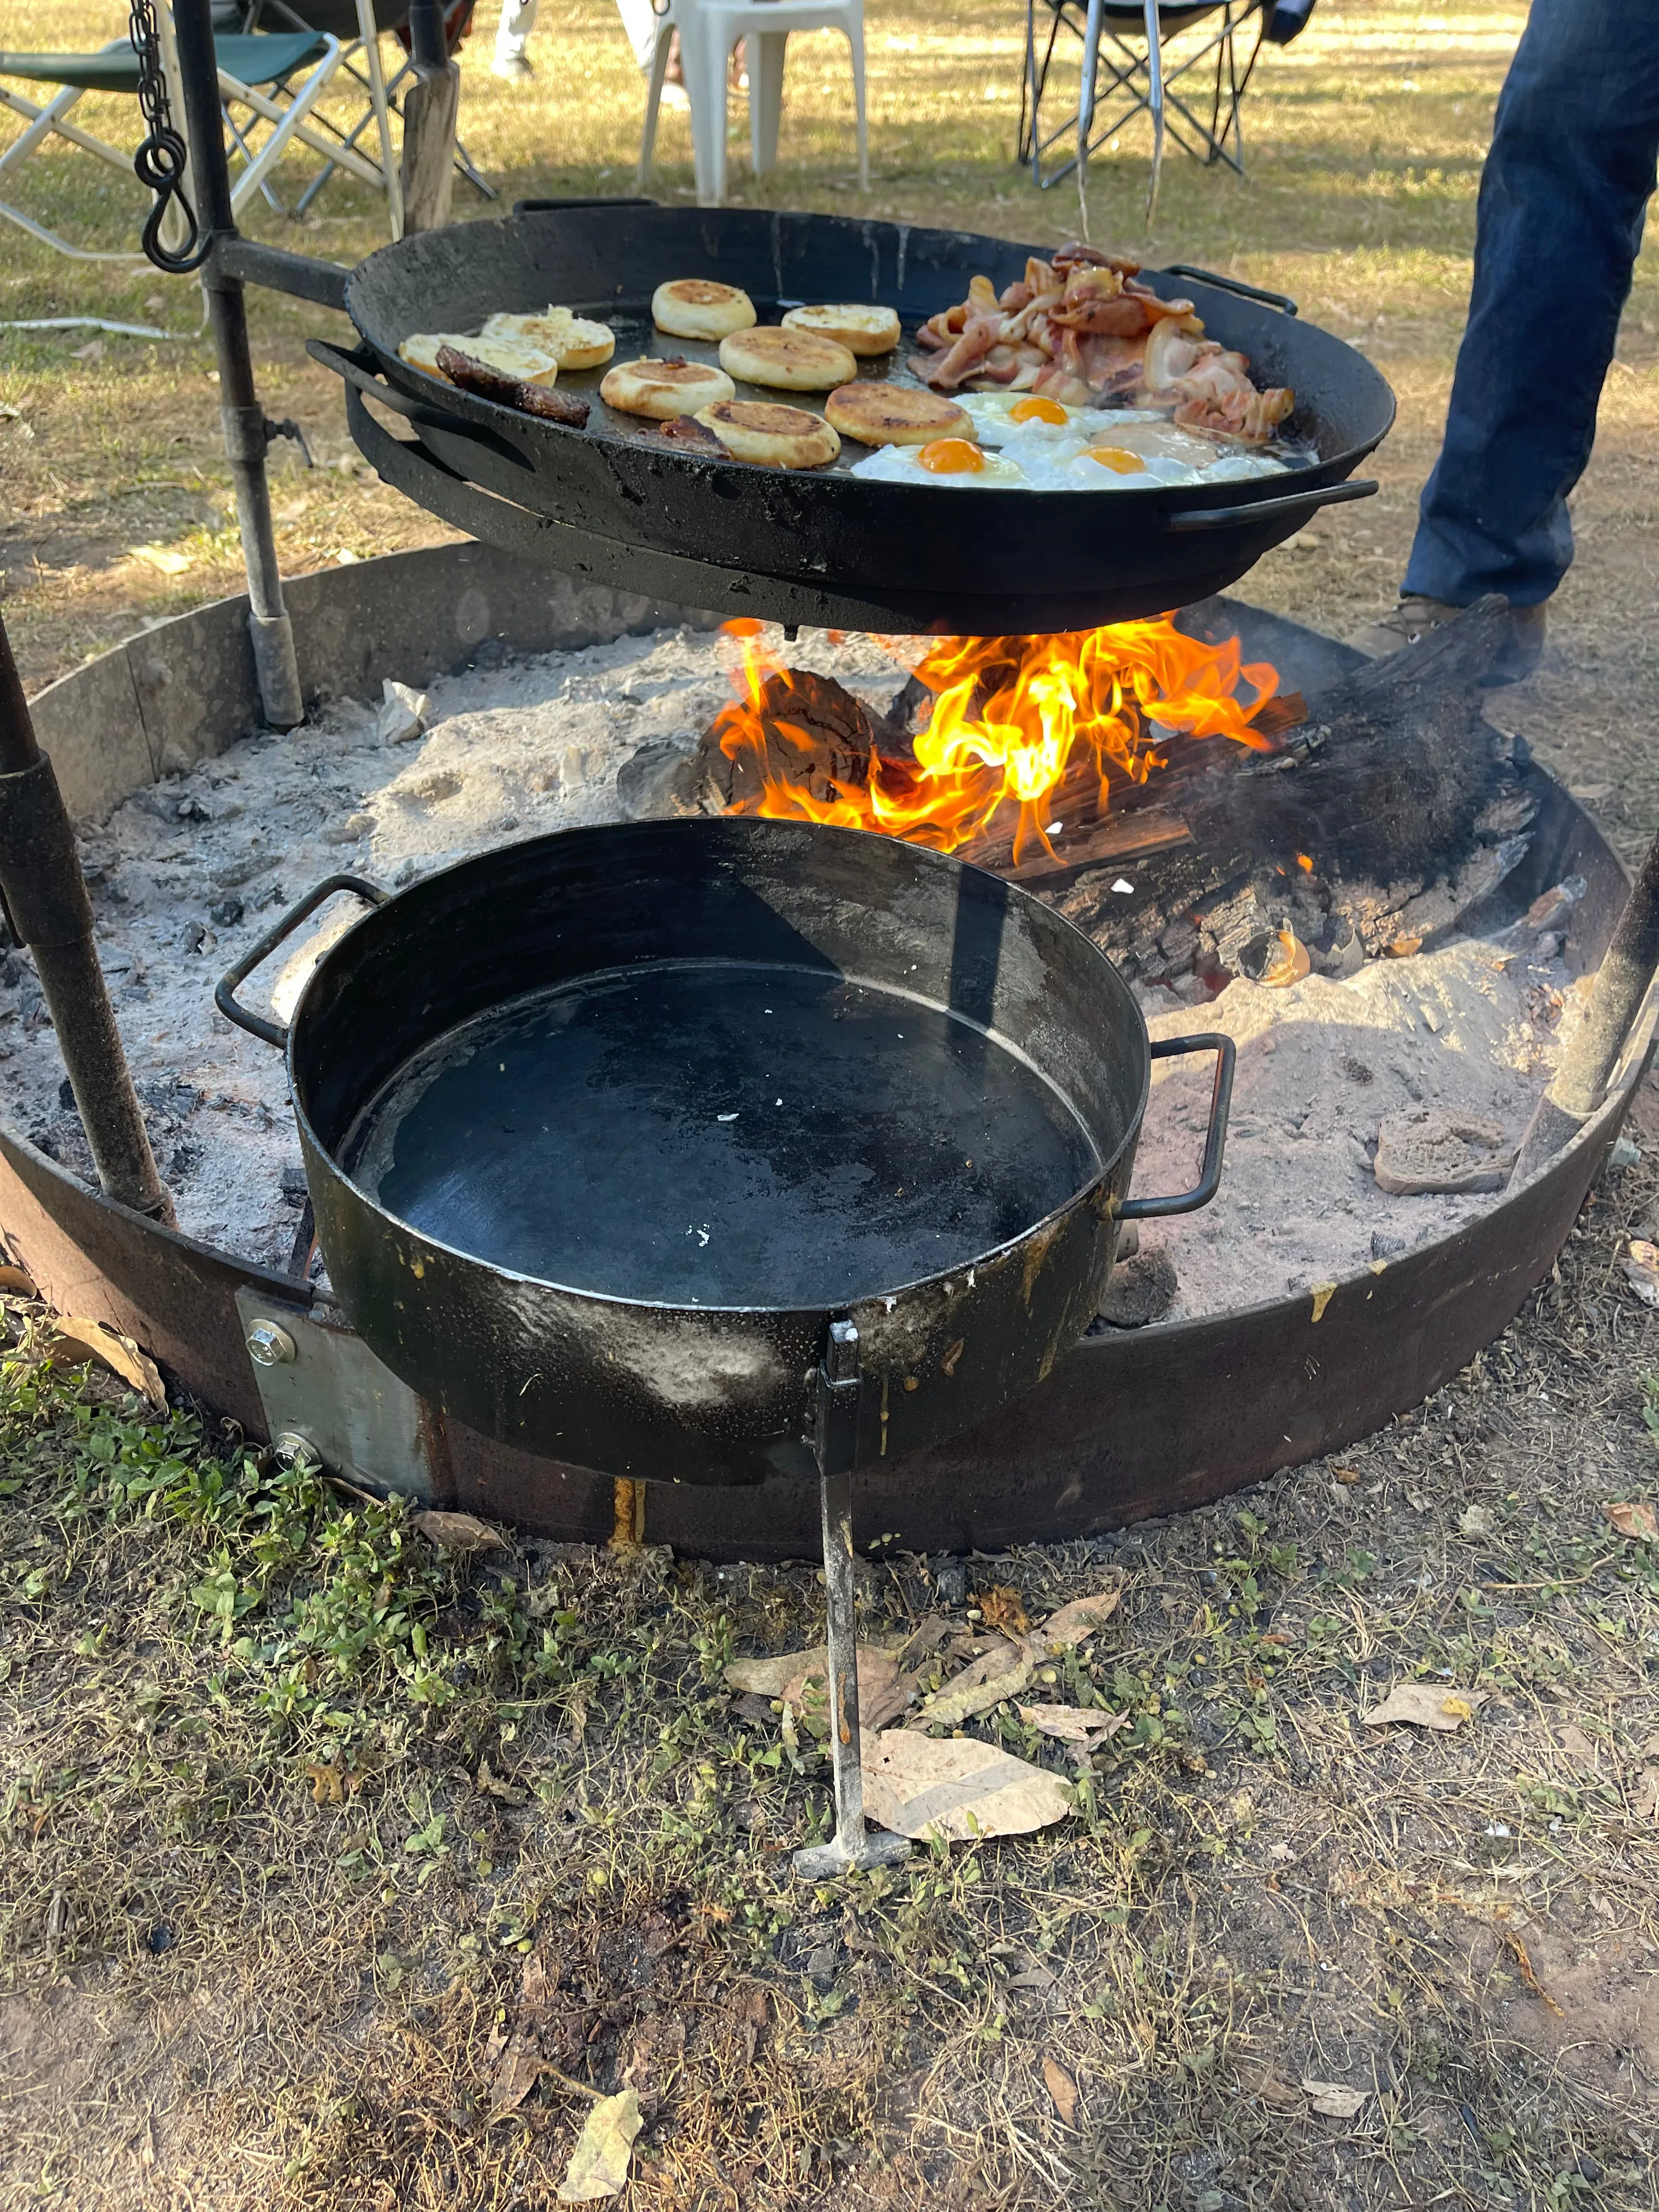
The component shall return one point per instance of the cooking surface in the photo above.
(716, 1135)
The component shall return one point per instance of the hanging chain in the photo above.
(160, 162)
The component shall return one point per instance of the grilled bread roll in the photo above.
(696, 307)
(514, 357)
(663, 389)
(787, 360)
(865, 331)
(895, 415)
(780, 437)
(572, 343)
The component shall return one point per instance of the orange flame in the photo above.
(1010, 716)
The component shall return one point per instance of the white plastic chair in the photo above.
(709, 30)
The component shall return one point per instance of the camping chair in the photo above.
(278, 79)
(1141, 58)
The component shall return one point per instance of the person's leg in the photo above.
(512, 36)
(1561, 201)
(640, 21)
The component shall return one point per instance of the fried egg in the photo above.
(947, 461)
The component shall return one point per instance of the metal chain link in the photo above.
(160, 162)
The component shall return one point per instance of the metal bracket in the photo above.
(288, 428)
(838, 1389)
(324, 1392)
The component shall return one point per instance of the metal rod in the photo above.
(1622, 985)
(47, 905)
(427, 47)
(246, 434)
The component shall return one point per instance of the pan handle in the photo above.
(1282, 301)
(1215, 1137)
(358, 368)
(579, 200)
(1225, 518)
(224, 996)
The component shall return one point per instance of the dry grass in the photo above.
(221, 1992)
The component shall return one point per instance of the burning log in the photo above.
(813, 736)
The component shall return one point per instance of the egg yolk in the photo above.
(1121, 462)
(951, 457)
(1037, 411)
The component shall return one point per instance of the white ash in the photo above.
(186, 874)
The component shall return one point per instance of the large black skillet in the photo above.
(612, 501)
(608, 1132)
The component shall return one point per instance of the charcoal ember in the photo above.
(1139, 1289)
(1434, 914)
(1503, 817)
(809, 732)
(294, 1188)
(185, 1159)
(1232, 921)
(1179, 942)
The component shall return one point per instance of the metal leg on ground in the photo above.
(853, 1844)
(247, 433)
(46, 904)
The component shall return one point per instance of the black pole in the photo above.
(46, 904)
(426, 34)
(247, 433)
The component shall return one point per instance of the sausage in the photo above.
(552, 406)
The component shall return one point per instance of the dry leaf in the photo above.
(1002, 1671)
(1003, 1609)
(516, 2075)
(770, 1678)
(929, 1789)
(1063, 2089)
(78, 1341)
(1645, 1254)
(1635, 1519)
(19, 1281)
(598, 2165)
(460, 1533)
(1476, 1521)
(1073, 1724)
(1644, 1805)
(1334, 2098)
(1645, 1281)
(493, 1786)
(1576, 1745)
(808, 1691)
(162, 558)
(1077, 1622)
(1426, 1705)
(325, 1784)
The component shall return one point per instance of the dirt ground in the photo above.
(338, 1873)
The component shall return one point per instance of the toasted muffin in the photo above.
(895, 415)
(663, 389)
(780, 437)
(787, 360)
(865, 331)
(696, 307)
(514, 357)
(572, 343)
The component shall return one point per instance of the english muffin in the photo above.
(696, 307)
(514, 357)
(787, 360)
(663, 389)
(895, 415)
(866, 330)
(760, 430)
(572, 343)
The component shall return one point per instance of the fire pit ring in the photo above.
(1118, 1431)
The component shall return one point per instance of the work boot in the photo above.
(1416, 618)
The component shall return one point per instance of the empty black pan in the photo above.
(606, 1129)
(613, 502)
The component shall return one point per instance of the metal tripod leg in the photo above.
(853, 1844)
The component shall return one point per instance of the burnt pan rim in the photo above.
(807, 832)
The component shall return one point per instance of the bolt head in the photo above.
(289, 1448)
(270, 1345)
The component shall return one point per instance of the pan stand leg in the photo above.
(853, 1844)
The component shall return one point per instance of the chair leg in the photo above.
(1155, 103)
(855, 40)
(705, 51)
(653, 101)
(369, 38)
(1086, 94)
(765, 49)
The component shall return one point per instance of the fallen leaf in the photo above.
(1645, 1254)
(460, 1533)
(1528, 1975)
(1644, 1280)
(1476, 1521)
(493, 1786)
(1334, 2098)
(1426, 1705)
(808, 1691)
(19, 1281)
(1634, 1518)
(1077, 1622)
(1346, 1476)
(1073, 1724)
(1002, 1671)
(770, 1678)
(162, 558)
(1003, 1609)
(598, 2165)
(1644, 1805)
(929, 1788)
(516, 2075)
(1576, 1745)
(1063, 2089)
(94, 350)
(326, 1785)
(77, 1342)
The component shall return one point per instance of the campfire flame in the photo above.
(1011, 715)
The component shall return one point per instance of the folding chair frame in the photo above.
(43, 123)
(1114, 61)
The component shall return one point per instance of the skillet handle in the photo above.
(578, 200)
(358, 368)
(1215, 1137)
(1282, 301)
(1223, 518)
(224, 996)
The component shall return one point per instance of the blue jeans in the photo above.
(1563, 197)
